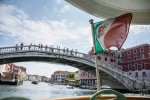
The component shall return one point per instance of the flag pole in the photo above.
(95, 54)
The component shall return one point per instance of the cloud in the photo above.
(62, 10)
(138, 34)
(136, 29)
(58, 1)
(16, 23)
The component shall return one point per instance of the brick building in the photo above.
(136, 61)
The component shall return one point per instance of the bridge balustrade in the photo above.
(42, 49)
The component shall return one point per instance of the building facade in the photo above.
(59, 76)
(21, 71)
(85, 78)
(136, 61)
(109, 57)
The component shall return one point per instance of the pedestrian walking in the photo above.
(21, 46)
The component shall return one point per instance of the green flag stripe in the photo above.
(98, 47)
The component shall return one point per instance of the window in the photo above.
(111, 60)
(105, 59)
(122, 54)
(129, 67)
(99, 58)
(123, 60)
(135, 57)
(114, 60)
(134, 51)
(129, 52)
(129, 58)
(143, 65)
(142, 56)
(136, 66)
(123, 68)
(143, 74)
(141, 49)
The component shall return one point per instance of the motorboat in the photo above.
(34, 82)
(69, 87)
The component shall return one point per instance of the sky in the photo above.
(53, 22)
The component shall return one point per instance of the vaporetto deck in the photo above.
(115, 78)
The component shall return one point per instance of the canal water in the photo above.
(43, 91)
(40, 91)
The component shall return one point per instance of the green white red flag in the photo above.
(111, 32)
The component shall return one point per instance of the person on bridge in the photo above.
(16, 47)
(76, 52)
(21, 46)
(71, 52)
(46, 47)
(67, 50)
(64, 50)
(30, 46)
(41, 47)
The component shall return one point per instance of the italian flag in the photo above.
(111, 32)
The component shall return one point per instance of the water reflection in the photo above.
(42, 91)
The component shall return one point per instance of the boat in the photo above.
(34, 82)
(51, 84)
(10, 78)
(69, 87)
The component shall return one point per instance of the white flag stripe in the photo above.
(108, 23)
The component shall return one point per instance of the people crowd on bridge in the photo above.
(46, 48)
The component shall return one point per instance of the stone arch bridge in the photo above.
(114, 78)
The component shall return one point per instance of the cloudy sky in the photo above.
(53, 22)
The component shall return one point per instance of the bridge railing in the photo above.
(46, 49)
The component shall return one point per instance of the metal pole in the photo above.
(96, 62)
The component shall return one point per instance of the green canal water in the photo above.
(42, 91)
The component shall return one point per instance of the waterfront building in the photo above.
(85, 78)
(136, 61)
(34, 78)
(111, 57)
(4, 68)
(59, 76)
(44, 79)
(15, 69)
(12, 74)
